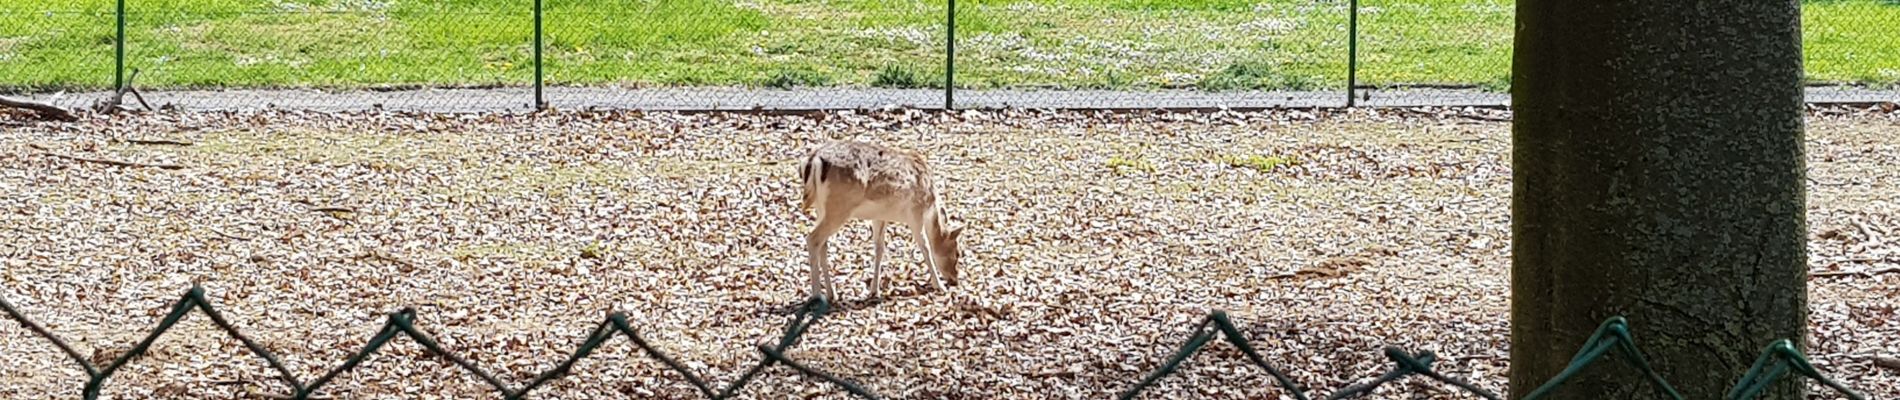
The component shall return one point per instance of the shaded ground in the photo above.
(1095, 243)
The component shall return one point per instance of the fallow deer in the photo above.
(849, 180)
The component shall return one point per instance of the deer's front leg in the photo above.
(930, 261)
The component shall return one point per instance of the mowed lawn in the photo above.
(1210, 44)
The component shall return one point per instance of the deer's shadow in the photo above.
(848, 304)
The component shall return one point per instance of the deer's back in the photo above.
(873, 172)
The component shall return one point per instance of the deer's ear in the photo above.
(956, 233)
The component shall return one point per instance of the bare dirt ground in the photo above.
(1095, 243)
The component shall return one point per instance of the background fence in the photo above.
(699, 54)
(1778, 361)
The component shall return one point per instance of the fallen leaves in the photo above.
(511, 235)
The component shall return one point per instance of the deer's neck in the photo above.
(933, 225)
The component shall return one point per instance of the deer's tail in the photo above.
(813, 174)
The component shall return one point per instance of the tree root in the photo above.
(117, 163)
(43, 109)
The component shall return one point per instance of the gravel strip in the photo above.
(602, 98)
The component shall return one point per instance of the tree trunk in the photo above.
(1659, 176)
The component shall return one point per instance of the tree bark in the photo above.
(1658, 160)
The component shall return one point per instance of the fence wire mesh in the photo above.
(402, 323)
(794, 55)
(1779, 359)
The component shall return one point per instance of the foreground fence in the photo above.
(929, 54)
(1779, 360)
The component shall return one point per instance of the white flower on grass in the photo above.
(1022, 7)
(1270, 25)
(909, 34)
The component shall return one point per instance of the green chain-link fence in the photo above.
(784, 54)
(1776, 362)
(1779, 360)
(401, 323)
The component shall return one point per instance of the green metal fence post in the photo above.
(950, 59)
(1352, 53)
(118, 47)
(540, 103)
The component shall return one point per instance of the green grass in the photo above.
(1123, 165)
(788, 78)
(894, 76)
(1252, 76)
(1258, 162)
(1852, 40)
(1207, 44)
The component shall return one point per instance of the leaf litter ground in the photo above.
(1096, 241)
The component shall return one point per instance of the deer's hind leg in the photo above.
(877, 259)
(816, 251)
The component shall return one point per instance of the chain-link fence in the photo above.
(1779, 360)
(789, 54)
